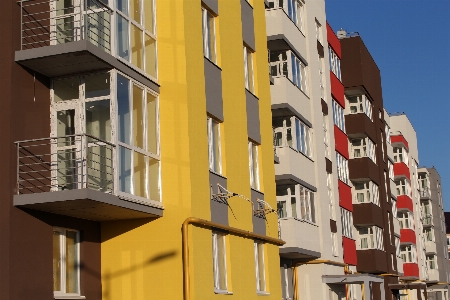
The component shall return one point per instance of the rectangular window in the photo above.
(342, 168)
(347, 223)
(214, 145)
(66, 262)
(338, 116)
(293, 9)
(363, 147)
(391, 170)
(209, 35)
(387, 131)
(325, 136)
(360, 105)
(370, 238)
(287, 64)
(293, 133)
(296, 201)
(394, 207)
(406, 220)
(322, 78)
(408, 253)
(403, 187)
(330, 197)
(334, 246)
(428, 233)
(335, 63)
(318, 32)
(253, 165)
(366, 192)
(400, 155)
(397, 246)
(260, 267)
(220, 263)
(248, 70)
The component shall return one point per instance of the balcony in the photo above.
(433, 275)
(430, 247)
(425, 193)
(283, 34)
(401, 170)
(301, 239)
(74, 176)
(427, 220)
(291, 167)
(59, 41)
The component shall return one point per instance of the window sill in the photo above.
(215, 64)
(256, 190)
(69, 297)
(262, 293)
(252, 93)
(220, 292)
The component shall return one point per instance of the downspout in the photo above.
(212, 225)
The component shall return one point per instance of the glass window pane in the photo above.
(294, 207)
(125, 170)
(152, 124)
(97, 85)
(211, 38)
(149, 18)
(261, 269)
(140, 178)
(65, 30)
(123, 109)
(150, 56)
(71, 262)
(221, 255)
(135, 10)
(122, 38)
(122, 5)
(154, 170)
(136, 47)
(138, 117)
(56, 261)
(66, 89)
(215, 146)
(98, 121)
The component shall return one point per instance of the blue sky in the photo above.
(410, 42)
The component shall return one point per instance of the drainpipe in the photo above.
(212, 225)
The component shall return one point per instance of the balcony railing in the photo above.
(65, 163)
(427, 220)
(45, 23)
(425, 193)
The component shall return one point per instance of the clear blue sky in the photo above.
(410, 42)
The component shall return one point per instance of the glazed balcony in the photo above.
(74, 176)
(425, 193)
(59, 39)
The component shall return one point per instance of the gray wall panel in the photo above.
(219, 211)
(253, 124)
(248, 30)
(213, 5)
(213, 90)
(259, 223)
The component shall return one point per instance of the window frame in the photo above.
(286, 64)
(367, 148)
(338, 115)
(370, 189)
(401, 155)
(347, 223)
(362, 105)
(249, 73)
(342, 168)
(374, 237)
(206, 36)
(301, 135)
(403, 187)
(299, 203)
(406, 220)
(408, 253)
(335, 63)
(211, 145)
(216, 269)
(260, 270)
(254, 169)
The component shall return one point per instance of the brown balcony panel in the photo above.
(86, 204)
(359, 125)
(372, 261)
(363, 167)
(367, 214)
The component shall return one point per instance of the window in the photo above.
(322, 78)
(334, 246)
(426, 208)
(325, 135)
(400, 155)
(363, 147)
(366, 192)
(253, 165)
(209, 35)
(403, 187)
(138, 140)
(391, 170)
(387, 131)
(220, 263)
(318, 32)
(293, 133)
(136, 35)
(248, 70)
(215, 161)
(394, 207)
(370, 238)
(428, 233)
(397, 246)
(431, 262)
(347, 223)
(287, 64)
(406, 220)
(342, 168)
(408, 253)
(360, 105)
(66, 262)
(335, 63)
(382, 146)
(330, 197)
(260, 267)
(293, 8)
(296, 201)
(338, 115)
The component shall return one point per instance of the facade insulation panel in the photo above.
(405, 202)
(349, 247)
(407, 236)
(410, 270)
(341, 142)
(345, 196)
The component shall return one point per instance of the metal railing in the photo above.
(65, 163)
(425, 193)
(53, 22)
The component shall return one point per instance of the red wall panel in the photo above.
(345, 196)
(337, 89)
(341, 142)
(333, 41)
(411, 269)
(349, 247)
(400, 168)
(407, 236)
(404, 201)
(399, 139)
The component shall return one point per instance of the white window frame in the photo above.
(326, 138)
(365, 147)
(403, 187)
(401, 155)
(387, 131)
(331, 197)
(391, 170)
(319, 32)
(298, 202)
(260, 270)
(429, 234)
(431, 262)
(216, 269)
(334, 244)
(394, 208)
(287, 64)
(254, 165)
(406, 220)
(366, 191)
(342, 168)
(62, 262)
(338, 116)
(371, 239)
(249, 72)
(347, 223)
(335, 63)
(360, 104)
(215, 163)
(408, 253)
(301, 135)
(210, 54)
(397, 246)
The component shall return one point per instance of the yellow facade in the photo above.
(142, 259)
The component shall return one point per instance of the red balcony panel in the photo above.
(410, 270)
(405, 202)
(399, 139)
(341, 142)
(333, 41)
(407, 236)
(400, 168)
(337, 89)
(349, 247)
(345, 196)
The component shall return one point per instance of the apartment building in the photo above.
(138, 158)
